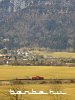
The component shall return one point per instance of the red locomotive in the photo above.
(37, 78)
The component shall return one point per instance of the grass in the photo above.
(48, 72)
(68, 88)
(56, 54)
(11, 72)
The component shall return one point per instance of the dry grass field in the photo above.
(67, 88)
(48, 72)
(55, 54)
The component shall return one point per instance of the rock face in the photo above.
(37, 23)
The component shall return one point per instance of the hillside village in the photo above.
(27, 56)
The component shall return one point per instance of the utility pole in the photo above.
(70, 42)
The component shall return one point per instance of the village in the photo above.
(27, 57)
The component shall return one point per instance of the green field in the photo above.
(48, 72)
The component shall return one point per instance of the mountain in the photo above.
(37, 23)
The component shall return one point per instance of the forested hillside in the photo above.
(37, 23)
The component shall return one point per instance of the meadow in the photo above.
(55, 54)
(48, 72)
(67, 88)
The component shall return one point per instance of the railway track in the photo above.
(30, 81)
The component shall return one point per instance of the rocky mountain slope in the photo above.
(37, 23)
